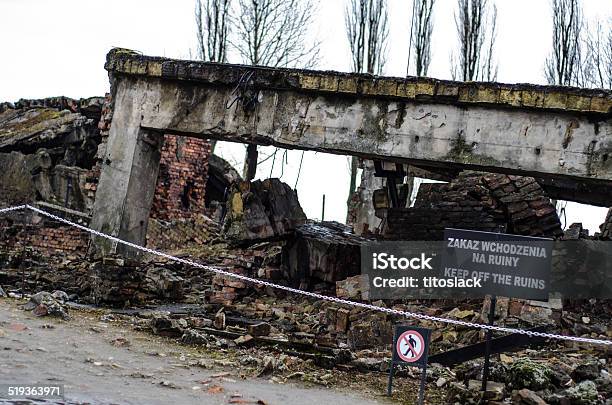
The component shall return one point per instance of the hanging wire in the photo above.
(299, 171)
(266, 158)
(283, 162)
(273, 160)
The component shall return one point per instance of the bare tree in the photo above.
(597, 68)
(476, 23)
(563, 64)
(212, 32)
(420, 36)
(276, 33)
(367, 31)
(212, 29)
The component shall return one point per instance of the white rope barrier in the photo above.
(337, 300)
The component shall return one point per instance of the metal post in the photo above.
(323, 209)
(489, 336)
(422, 386)
(485, 368)
(390, 383)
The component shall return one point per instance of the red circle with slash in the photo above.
(410, 346)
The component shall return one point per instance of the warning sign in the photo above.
(411, 345)
(507, 265)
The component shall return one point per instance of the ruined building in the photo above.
(137, 164)
(50, 155)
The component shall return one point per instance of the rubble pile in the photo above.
(279, 338)
(552, 378)
(181, 233)
(119, 282)
(321, 252)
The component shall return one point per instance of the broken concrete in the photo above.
(262, 210)
(322, 252)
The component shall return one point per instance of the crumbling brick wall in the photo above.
(180, 187)
(44, 236)
(476, 201)
(606, 227)
(181, 182)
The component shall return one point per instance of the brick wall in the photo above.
(476, 201)
(46, 237)
(181, 183)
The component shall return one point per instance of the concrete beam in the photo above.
(534, 130)
(542, 131)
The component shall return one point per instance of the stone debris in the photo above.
(259, 329)
(165, 326)
(527, 397)
(117, 282)
(351, 287)
(48, 304)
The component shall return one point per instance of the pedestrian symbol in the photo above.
(410, 346)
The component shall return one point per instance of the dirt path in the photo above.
(80, 355)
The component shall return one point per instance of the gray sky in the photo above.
(58, 47)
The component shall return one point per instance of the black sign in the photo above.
(411, 345)
(506, 265)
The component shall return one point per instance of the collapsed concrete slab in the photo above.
(261, 210)
(322, 252)
(47, 151)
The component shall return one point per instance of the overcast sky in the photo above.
(58, 47)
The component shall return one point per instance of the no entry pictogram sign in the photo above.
(410, 345)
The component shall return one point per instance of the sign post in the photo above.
(485, 368)
(410, 346)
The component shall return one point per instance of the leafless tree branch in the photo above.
(563, 64)
(420, 36)
(367, 31)
(275, 33)
(212, 29)
(597, 67)
(476, 24)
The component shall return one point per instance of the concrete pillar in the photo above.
(366, 214)
(128, 178)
